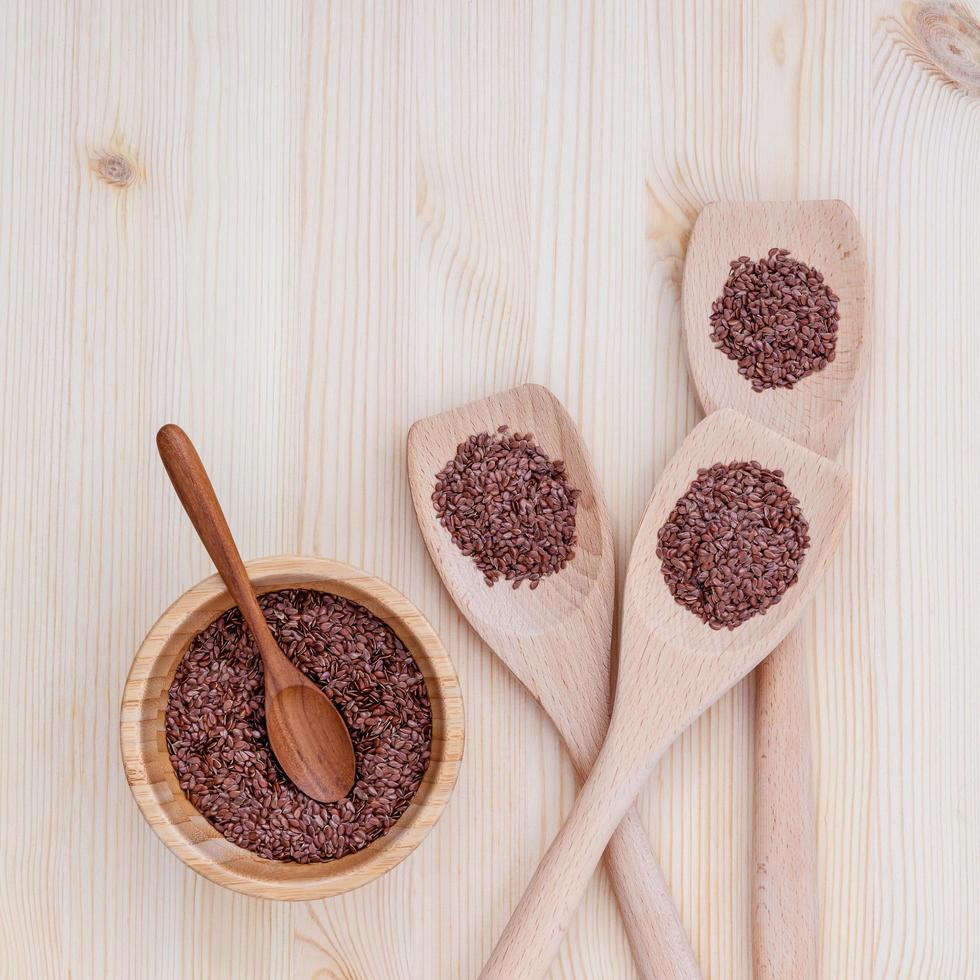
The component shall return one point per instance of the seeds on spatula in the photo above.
(508, 507)
(777, 318)
(733, 544)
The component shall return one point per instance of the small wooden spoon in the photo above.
(306, 732)
(672, 667)
(556, 640)
(816, 413)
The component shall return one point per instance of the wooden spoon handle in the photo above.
(190, 480)
(784, 896)
(660, 945)
(661, 949)
(531, 938)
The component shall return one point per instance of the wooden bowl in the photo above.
(182, 828)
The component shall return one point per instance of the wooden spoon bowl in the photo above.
(185, 831)
(823, 234)
(512, 620)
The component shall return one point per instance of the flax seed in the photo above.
(216, 735)
(733, 544)
(777, 318)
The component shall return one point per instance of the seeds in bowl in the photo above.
(219, 748)
(508, 506)
(777, 318)
(733, 543)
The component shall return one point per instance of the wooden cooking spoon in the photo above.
(556, 640)
(306, 732)
(816, 413)
(672, 667)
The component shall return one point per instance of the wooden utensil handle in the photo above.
(535, 930)
(784, 896)
(657, 938)
(661, 949)
(190, 480)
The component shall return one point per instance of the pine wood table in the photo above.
(294, 228)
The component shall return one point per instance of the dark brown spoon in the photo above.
(306, 732)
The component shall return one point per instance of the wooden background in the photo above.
(294, 228)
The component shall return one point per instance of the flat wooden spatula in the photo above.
(672, 667)
(556, 639)
(815, 412)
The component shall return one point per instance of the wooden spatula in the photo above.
(556, 639)
(816, 413)
(672, 667)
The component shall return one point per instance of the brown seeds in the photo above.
(508, 506)
(777, 318)
(733, 544)
(217, 738)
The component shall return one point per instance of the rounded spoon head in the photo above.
(824, 235)
(310, 741)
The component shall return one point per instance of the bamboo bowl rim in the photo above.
(185, 831)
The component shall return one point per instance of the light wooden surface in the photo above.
(294, 229)
(816, 412)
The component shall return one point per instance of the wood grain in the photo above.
(325, 220)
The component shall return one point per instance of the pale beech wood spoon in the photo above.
(816, 413)
(306, 732)
(672, 667)
(556, 639)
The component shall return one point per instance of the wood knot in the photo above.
(779, 47)
(115, 169)
(950, 38)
